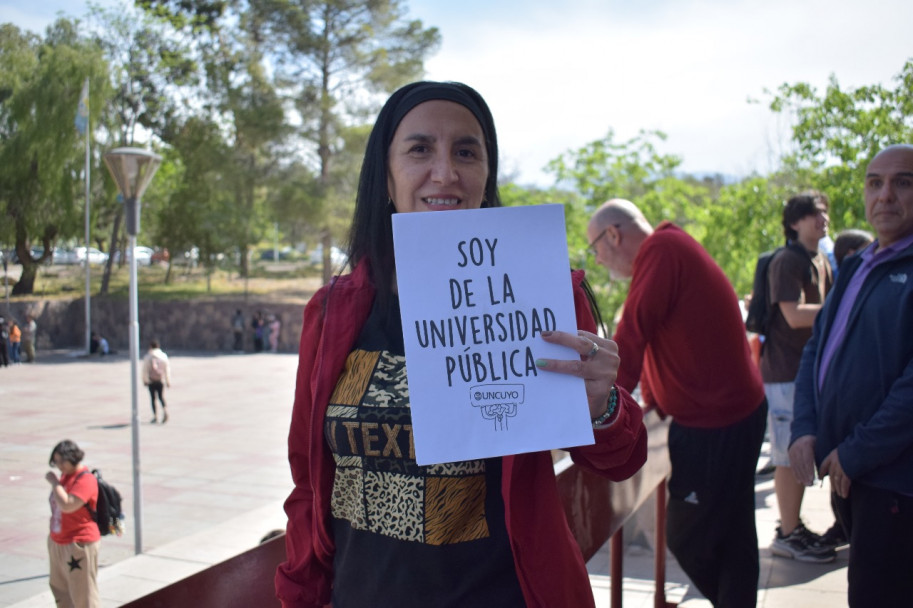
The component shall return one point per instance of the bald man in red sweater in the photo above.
(682, 338)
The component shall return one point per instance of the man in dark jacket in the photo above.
(853, 413)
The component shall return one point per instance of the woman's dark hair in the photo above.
(67, 450)
(800, 206)
(371, 235)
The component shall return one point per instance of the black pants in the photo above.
(156, 388)
(879, 524)
(710, 526)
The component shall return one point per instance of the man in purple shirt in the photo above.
(853, 410)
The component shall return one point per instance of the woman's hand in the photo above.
(52, 478)
(598, 365)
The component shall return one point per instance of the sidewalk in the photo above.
(214, 478)
(783, 583)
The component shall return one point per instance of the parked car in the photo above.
(143, 256)
(63, 256)
(284, 254)
(36, 252)
(160, 255)
(95, 256)
(191, 258)
(338, 257)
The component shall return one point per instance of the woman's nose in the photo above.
(443, 170)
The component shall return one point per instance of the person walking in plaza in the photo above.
(368, 528)
(74, 539)
(799, 277)
(853, 411)
(156, 376)
(682, 339)
(29, 336)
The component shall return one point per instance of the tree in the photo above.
(40, 155)
(336, 55)
(196, 208)
(295, 200)
(149, 69)
(242, 102)
(743, 221)
(332, 60)
(838, 131)
(633, 170)
(254, 125)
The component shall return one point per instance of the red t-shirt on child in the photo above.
(78, 526)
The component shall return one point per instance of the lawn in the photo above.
(284, 280)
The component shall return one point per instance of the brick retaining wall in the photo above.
(203, 325)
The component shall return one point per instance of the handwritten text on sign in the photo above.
(477, 288)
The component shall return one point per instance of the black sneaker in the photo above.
(802, 546)
(835, 537)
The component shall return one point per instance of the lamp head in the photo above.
(132, 169)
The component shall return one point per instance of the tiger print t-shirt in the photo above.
(407, 535)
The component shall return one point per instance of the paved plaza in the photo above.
(214, 478)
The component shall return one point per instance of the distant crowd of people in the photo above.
(265, 329)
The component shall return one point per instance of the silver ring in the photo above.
(593, 351)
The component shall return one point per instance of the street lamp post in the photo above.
(132, 169)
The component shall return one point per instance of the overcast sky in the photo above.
(558, 75)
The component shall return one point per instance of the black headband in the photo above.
(434, 91)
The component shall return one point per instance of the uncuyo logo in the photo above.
(497, 402)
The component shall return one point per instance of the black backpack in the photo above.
(759, 309)
(107, 514)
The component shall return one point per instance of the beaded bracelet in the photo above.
(613, 403)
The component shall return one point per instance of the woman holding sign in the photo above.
(366, 524)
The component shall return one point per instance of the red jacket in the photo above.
(548, 561)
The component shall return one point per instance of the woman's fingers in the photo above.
(598, 356)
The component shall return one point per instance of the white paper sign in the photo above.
(476, 289)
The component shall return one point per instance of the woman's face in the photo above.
(438, 160)
(65, 466)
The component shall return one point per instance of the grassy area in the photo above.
(288, 280)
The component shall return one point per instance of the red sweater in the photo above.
(682, 328)
(548, 561)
